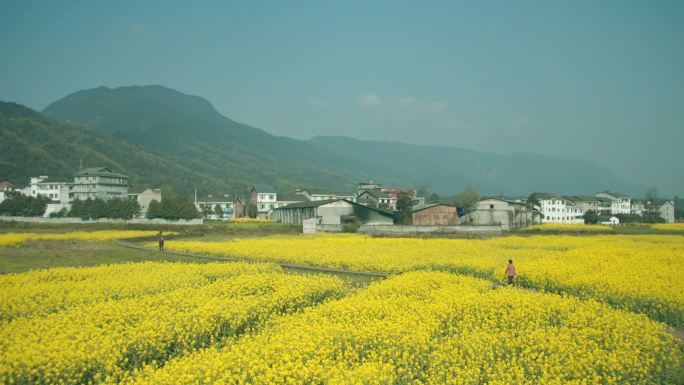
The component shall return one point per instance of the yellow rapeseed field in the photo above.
(439, 328)
(582, 228)
(570, 227)
(104, 337)
(641, 273)
(668, 226)
(42, 292)
(14, 239)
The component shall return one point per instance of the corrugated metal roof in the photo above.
(425, 207)
(292, 198)
(311, 204)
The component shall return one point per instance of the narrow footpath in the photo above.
(290, 266)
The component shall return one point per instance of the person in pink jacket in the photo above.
(510, 271)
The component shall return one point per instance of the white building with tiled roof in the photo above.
(52, 188)
(619, 203)
(557, 209)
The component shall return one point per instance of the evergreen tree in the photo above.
(434, 198)
(590, 217)
(24, 206)
(172, 209)
(218, 211)
(251, 210)
(153, 210)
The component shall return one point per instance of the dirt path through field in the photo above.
(291, 266)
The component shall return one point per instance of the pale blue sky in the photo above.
(600, 80)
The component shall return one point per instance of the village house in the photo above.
(619, 203)
(219, 207)
(638, 208)
(265, 198)
(322, 195)
(98, 182)
(667, 211)
(585, 203)
(144, 198)
(500, 212)
(556, 209)
(43, 186)
(438, 214)
(374, 198)
(370, 185)
(333, 213)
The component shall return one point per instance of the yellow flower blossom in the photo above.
(107, 337)
(14, 239)
(641, 273)
(439, 328)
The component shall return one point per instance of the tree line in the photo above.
(168, 208)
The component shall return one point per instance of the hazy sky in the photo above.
(600, 80)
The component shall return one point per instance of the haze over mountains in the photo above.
(164, 138)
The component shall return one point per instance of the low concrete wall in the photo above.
(398, 229)
(103, 220)
(329, 228)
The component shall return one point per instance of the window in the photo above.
(491, 206)
(271, 197)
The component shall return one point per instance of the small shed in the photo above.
(613, 220)
(439, 214)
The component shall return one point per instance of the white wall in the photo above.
(667, 212)
(558, 211)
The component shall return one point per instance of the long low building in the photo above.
(331, 212)
(438, 214)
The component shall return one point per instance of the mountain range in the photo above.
(164, 138)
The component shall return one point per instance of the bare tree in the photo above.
(468, 197)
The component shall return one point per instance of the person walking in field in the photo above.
(161, 243)
(510, 272)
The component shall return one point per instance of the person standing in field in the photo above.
(161, 242)
(510, 271)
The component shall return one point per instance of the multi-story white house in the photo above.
(638, 207)
(314, 195)
(99, 182)
(619, 203)
(557, 209)
(43, 186)
(667, 211)
(265, 198)
(601, 206)
(228, 208)
(375, 198)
